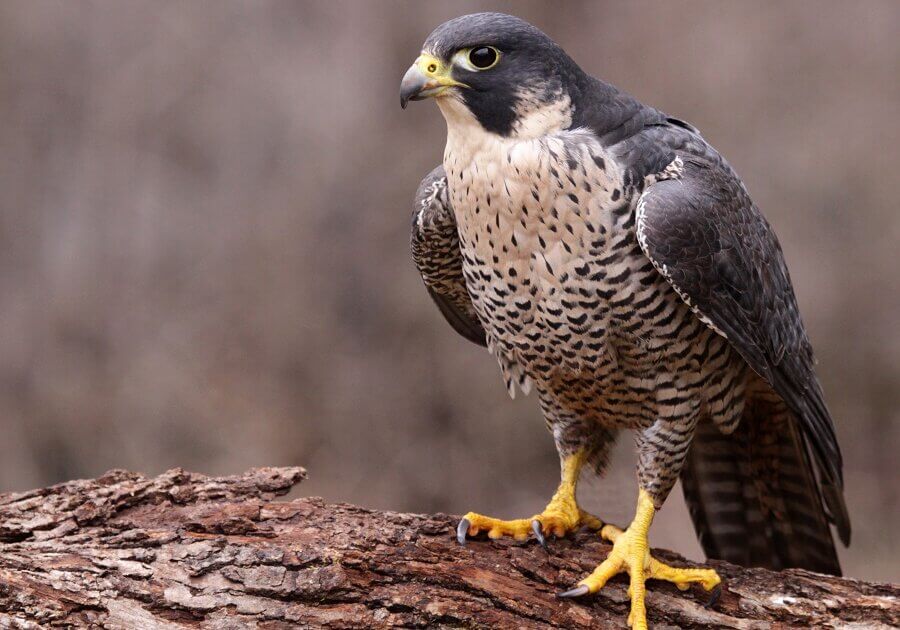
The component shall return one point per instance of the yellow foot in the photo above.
(630, 554)
(561, 516)
(559, 519)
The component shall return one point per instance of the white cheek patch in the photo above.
(535, 117)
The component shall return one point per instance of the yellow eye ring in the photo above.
(483, 57)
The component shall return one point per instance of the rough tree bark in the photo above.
(182, 549)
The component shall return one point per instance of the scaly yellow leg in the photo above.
(561, 516)
(631, 554)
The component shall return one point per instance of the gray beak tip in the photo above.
(412, 84)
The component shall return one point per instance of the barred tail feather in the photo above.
(753, 495)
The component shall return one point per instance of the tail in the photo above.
(754, 497)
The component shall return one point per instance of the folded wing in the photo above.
(716, 249)
(436, 254)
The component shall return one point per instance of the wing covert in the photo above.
(436, 254)
(703, 233)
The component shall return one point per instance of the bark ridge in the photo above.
(184, 550)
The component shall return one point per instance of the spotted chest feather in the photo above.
(533, 222)
(560, 284)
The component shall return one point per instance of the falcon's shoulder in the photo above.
(436, 254)
(704, 234)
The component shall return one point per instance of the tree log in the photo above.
(185, 550)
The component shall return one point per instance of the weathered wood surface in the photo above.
(184, 550)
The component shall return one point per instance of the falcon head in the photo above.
(498, 70)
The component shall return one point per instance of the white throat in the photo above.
(535, 119)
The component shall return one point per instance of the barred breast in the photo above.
(564, 292)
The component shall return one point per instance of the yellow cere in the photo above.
(437, 72)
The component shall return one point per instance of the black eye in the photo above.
(484, 57)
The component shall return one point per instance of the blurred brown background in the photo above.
(204, 261)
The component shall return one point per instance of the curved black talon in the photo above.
(578, 591)
(714, 596)
(536, 528)
(461, 530)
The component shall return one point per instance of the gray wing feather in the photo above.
(436, 254)
(714, 246)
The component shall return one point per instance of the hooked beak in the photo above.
(428, 76)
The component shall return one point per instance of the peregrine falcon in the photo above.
(610, 259)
